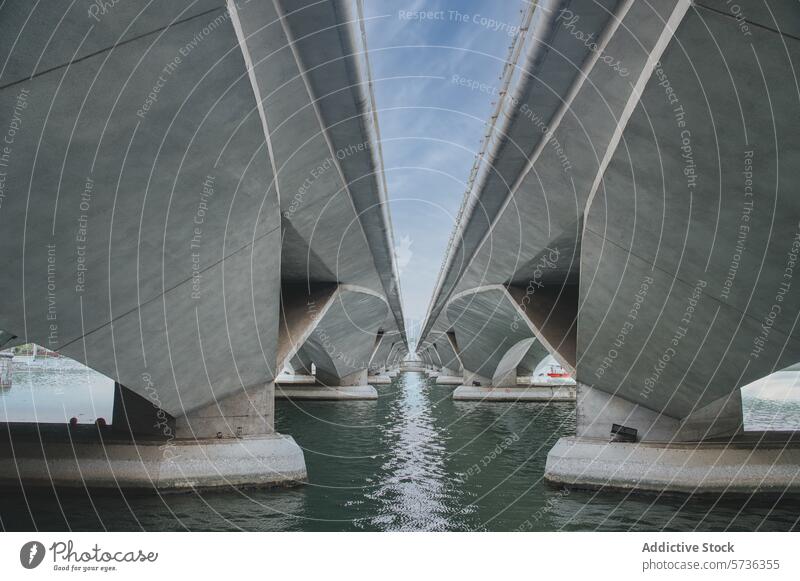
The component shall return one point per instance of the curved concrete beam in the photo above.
(506, 373)
(560, 170)
(484, 323)
(684, 302)
(343, 339)
(121, 253)
(532, 88)
(391, 340)
(442, 345)
(309, 65)
(528, 364)
(301, 363)
(152, 183)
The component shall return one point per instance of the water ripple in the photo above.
(416, 460)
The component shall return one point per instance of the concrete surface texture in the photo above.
(52, 458)
(176, 239)
(747, 467)
(621, 228)
(449, 379)
(538, 393)
(326, 393)
(633, 215)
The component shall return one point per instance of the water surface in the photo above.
(413, 460)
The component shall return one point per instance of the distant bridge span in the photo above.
(635, 213)
(193, 194)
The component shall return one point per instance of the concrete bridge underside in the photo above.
(648, 240)
(194, 193)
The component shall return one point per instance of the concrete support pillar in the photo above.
(381, 352)
(503, 386)
(248, 413)
(357, 378)
(449, 376)
(301, 363)
(228, 444)
(512, 392)
(598, 411)
(134, 415)
(374, 365)
(552, 319)
(706, 451)
(354, 386)
(301, 310)
(380, 375)
(339, 329)
(506, 378)
(471, 378)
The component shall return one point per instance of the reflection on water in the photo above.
(412, 492)
(55, 390)
(773, 403)
(413, 460)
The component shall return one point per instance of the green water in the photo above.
(413, 460)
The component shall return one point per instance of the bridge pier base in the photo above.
(412, 367)
(327, 393)
(284, 381)
(380, 379)
(449, 376)
(707, 451)
(230, 443)
(88, 458)
(753, 463)
(328, 387)
(540, 393)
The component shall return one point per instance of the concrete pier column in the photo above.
(380, 377)
(301, 363)
(442, 348)
(352, 386)
(230, 443)
(504, 386)
(384, 343)
(472, 377)
(598, 411)
(470, 384)
(340, 332)
(135, 416)
(622, 445)
(248, 413)
(449, 376)
(356, 378)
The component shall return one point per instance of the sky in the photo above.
(422, 55)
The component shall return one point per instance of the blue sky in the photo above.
(431, 126)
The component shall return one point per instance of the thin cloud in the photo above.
(428, 152)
